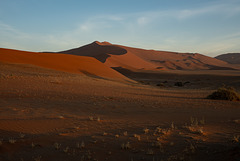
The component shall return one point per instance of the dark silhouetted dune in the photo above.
(232, 58)
(61, 62)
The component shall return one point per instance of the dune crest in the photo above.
(102, 43)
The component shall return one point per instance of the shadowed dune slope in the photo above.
(61, 62)
(232, 58)
(134, 58)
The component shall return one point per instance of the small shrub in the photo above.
(98, 119)
(12, 141)
(57, 146)
(146, 130)
(195, 129)
(158, 130)
(150, 152)
(193, 121)
(82, 145)
(66, 149)
(38, 158)
(137, 136)
(105, 134)
(78, 145)
(158, 145)
(225, 93)
(33, 145)
(172, 125)
(125, 146)
(21, 135)
(236, 138)
(202, 121)
(190, 149)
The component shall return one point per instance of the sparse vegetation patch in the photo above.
(225, 93)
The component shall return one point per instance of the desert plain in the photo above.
(78, 108)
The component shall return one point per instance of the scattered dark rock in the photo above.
(186, 82)
(144, 82)
(160, 85)
(179, 84)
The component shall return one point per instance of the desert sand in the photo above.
(51, 110)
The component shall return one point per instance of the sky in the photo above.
(209, 27)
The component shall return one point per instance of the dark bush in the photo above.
(225, 93)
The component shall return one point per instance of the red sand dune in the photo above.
(134, 58)
(112, 55)
(61, 62)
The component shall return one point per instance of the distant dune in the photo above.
(232, 58)
(140, 59)
(61, 62)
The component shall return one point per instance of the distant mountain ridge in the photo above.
(140, 59)
(231, 58)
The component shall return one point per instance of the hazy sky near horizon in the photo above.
(210, 27)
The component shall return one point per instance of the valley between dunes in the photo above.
(67, 107)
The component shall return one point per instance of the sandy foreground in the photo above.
(48, 115)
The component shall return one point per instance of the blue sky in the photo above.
(210, 27)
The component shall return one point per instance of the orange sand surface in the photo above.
(61, 62)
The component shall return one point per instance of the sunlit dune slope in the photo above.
(61, 62)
